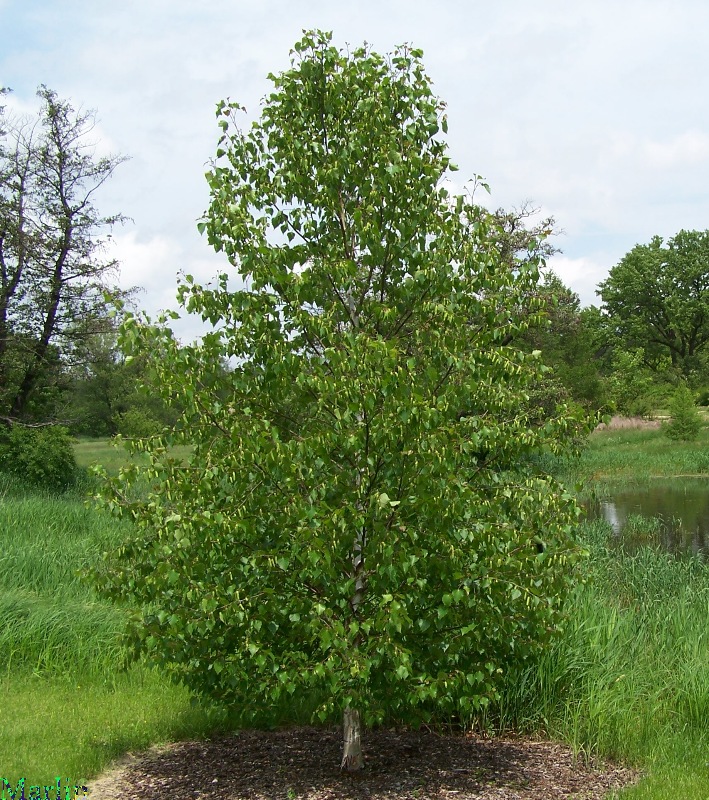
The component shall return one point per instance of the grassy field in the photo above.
(99, 451)
(637, 456)
(629, 679)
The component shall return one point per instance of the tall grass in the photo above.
(629, 678)
(50, 620)
(70, 703)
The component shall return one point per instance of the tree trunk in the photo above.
(352, 754)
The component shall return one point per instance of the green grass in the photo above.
(636, 456)
(100, 451)
(70, 704)
(75, 725)
(111, 454)
(49, 618)
(629, 678)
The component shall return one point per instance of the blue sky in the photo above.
(596, 111)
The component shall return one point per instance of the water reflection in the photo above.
(681, 508)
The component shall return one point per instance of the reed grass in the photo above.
(629, 677)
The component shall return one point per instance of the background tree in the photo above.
(52, 272)
(519, 234)
(105, 393)
(657, 299)
(357, 520)
(566, 341)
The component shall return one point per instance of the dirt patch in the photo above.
(400, 765)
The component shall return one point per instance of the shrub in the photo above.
(703, 397)
(39, 456)
(686, 421)
(137, 424)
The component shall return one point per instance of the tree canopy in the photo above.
(359, 519)
(567, 346)
(657, 298)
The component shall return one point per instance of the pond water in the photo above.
(680, 509)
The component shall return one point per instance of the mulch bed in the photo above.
(400, 765)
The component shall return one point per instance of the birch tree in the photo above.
(358, 520)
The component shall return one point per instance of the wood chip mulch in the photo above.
(303, 763)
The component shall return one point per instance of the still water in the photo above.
(680, 508)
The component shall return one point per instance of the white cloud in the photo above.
(155, 265)
(581, 275)
(686, 149)
(17, 106)
(588, 109)
(150, 264)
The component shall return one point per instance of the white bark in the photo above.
(352, 759)
(352, 753)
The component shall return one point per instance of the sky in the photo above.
(594, 111)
